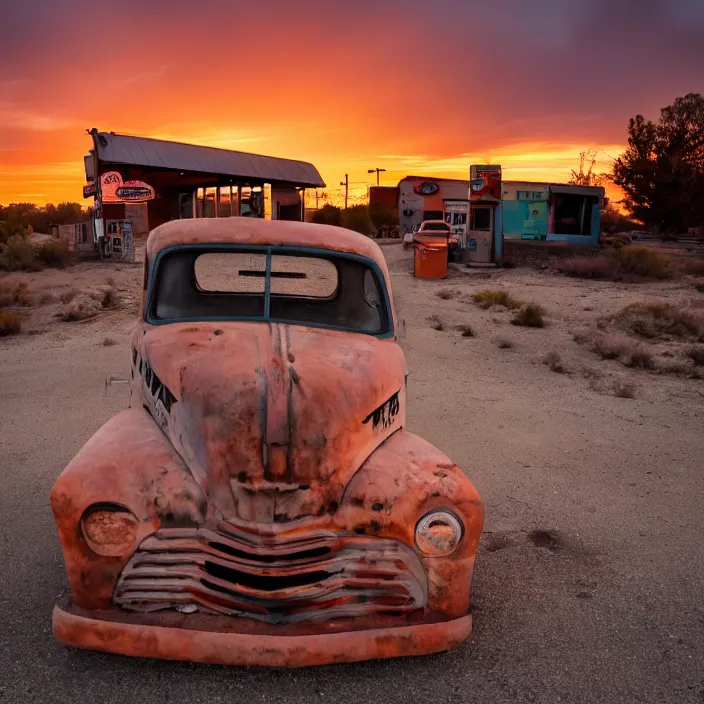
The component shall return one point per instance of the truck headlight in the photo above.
(438, 533)
(110, 530)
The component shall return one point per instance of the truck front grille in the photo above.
(228, 570)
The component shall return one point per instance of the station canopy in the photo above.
(190, 160)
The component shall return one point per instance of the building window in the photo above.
(573, 214)
(224, 202)
(209, 202)
(480, 219)
(245, 197)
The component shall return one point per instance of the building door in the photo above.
(480, 234)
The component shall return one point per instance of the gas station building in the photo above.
(138, 183)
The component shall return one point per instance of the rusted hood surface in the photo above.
(273, 420)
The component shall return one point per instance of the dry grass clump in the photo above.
(17, 254)
(624, 389)
(466, 330)
(446, 294)
(554, 361)
(82, 307)
(639, 358)
(15, 294)
(617, 345)
(655, 319)
(435, 322)
(54, 253)
(678, 367)
(46, 297)
(530, 315)
(68, 296)
(695, 267)
(87, 304)
(488, 298)
(624, 264)
(111, 298)
(109, 342)
(10, 323)
(504, 344)
(696, 354)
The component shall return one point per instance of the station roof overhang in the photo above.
(199, 165)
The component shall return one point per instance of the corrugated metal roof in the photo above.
(157, 153)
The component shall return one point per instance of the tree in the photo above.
(21, 218)
(662, 170)
(587, 160)
(327, 215)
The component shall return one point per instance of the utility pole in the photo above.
(346, 184)
(378, 171)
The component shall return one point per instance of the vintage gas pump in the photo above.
(484, 205)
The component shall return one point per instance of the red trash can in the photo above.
(430, 257)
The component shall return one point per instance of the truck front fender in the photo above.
(405, 478)
(128, 462)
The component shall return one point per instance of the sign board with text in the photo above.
(115, 190)
(485, 183)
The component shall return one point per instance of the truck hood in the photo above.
(272, 420)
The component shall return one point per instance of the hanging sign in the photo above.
(115, 190)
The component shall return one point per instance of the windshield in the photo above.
(279, 285)
(436, 226)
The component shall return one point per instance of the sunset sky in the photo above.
(413, 86)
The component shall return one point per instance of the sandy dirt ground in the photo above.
(589, 585)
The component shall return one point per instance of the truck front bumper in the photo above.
(169, 643)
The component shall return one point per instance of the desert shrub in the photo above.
(624, 389)
(357, 218)
(607, 345)
(68, 296)
(21, 294)
(655, 319)
(696, 354)
(46, 297)
(530, 316)
(638, 357)
(677, 367)
(435, 322)
(81, 307)
(10, 323)
(17, 254)
(617, 345)
(383, 217)
(695, 267)
(487, 298)
(554, 361)
(110, 297)
(15, 294)
(109, 342)
(328, 215)
(625, 264)
(446, 294)
(504, 344)
(54, 253)
(466, 330)
(87, 304)
(613, 220)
